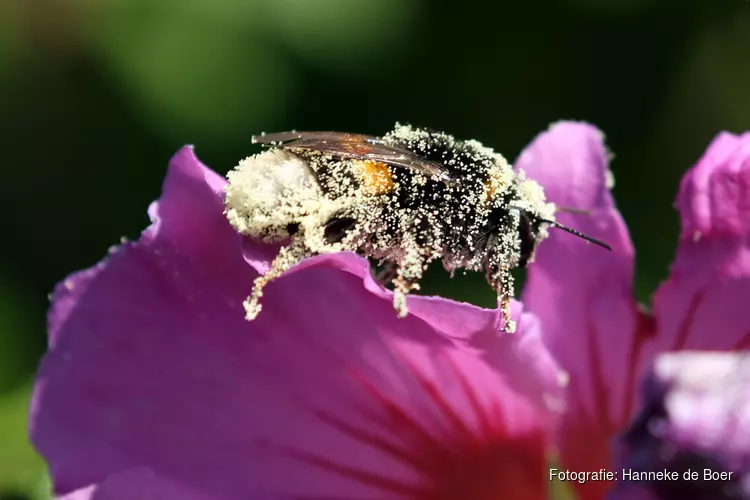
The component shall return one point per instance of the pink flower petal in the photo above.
(704, 303)
(587, 309)
(326, 395)
(140, 484)
(475, 330)
(694, 419)
(582, 294)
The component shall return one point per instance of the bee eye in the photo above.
(527, 235)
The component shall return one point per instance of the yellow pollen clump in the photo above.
(376, 177)
(490, 188)
(498, 182)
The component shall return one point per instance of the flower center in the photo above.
(473, 453)
(505, 469)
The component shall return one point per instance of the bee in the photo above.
(406, 199)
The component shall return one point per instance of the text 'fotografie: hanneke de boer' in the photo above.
(635, 475)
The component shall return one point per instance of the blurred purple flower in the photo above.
(584, 298)
(155, 386)
(694, 422)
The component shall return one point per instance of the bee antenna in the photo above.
(576, 233)
(571, 210)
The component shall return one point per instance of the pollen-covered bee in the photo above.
(408, 198)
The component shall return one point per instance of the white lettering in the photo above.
(709, 475)
(662, 475)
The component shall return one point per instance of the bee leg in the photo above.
(288, 256)
(409, 272)
(501, 280)
(401, 288)
(388, 273)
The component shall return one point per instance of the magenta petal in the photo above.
(704, 303)
(472, 328)
(326, 395)
(189, 214)
(582, 294)
(140, 484)
(713, 195)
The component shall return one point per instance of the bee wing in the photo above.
(359, 146)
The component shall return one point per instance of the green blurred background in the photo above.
(96, 95)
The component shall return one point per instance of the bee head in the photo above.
(531, 230)
(530, 227)
(530, 234)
